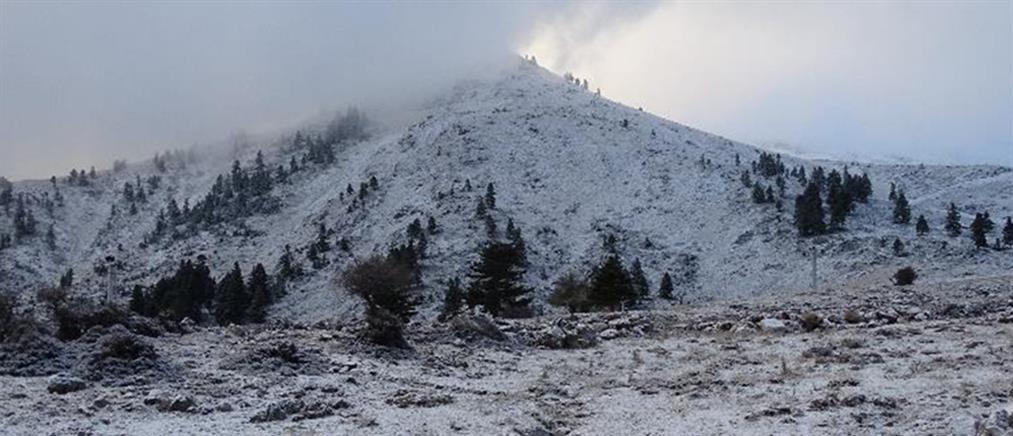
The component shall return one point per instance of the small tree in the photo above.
(901, 209)
(666, 289)
(453, 299)
(953, 221)
(922, 226)
(259, 288)
(1007, 232)
(979, 228)
(571, 292)
(898, 248)
(231, 298)
(904, 276)
(386, 285)
(490, 196)
(611, 285)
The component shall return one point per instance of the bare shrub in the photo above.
(811, 321)
(571, 291)
(387, 287)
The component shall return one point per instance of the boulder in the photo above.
(773, 325)
(63, 383)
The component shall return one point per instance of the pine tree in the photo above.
(453, 299)
(746, 180)
(231, 298)
(50, 238)
(490, 196)
(809, 212)
(431, 226)
(67, 279)
(898, 247)
(922, 226)
(978, 230)
(901, 209)
(639, 279)
(611, 285)
(287, 268)
(480, 209)
(497, 279)
(138, 301)
(838, 201)
(893, 192)
(759, 196)
(666, 289)
(259, 290)
(953, 221)
(1007, 232)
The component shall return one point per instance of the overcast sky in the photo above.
(82, 83)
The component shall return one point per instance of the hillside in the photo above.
(569, 167)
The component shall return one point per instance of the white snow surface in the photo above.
(565, 170)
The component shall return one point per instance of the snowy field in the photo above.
(933, 359)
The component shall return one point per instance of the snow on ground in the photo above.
(569, 167)
(925, 359)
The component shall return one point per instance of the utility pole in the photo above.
(813, 276)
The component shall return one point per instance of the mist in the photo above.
(82, 83)
(85, 83)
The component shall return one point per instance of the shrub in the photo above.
(125, 347)
(387, 287)
(12, 324)
(853, 317)
(73, 320)
(905, 276)
(571, 291)
(810, 321)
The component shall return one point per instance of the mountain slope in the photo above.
(569, 167)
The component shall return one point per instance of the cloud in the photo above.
(929, 81)
(82, 83)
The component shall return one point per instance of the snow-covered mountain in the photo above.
(569, 168)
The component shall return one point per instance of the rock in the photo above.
(773, 325)
(278, 411)
(999, 423)
(62, 384)
(155, 397)
(609, 333)
(224, 406)
(477, 324)
(179, 403)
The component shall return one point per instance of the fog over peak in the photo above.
(83, 83)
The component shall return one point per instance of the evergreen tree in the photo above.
(953, 226)
(431, 227)
(231, 298)
(978, 230)
(759, 196)
(453, 299)
(373, 183)
(809, 212)
(490, 196)
(67, 279)
(1007, 232)
(138, 301)
(611, 285)
(259, 290)
(746, 180)
(922, 226)
(497, 279)
(666, 289)
(480, 209)
(901, 209)
(838, 201)
(898, 247)
(893, 192)
(50, 238)
(639, 280)
(287, 267)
